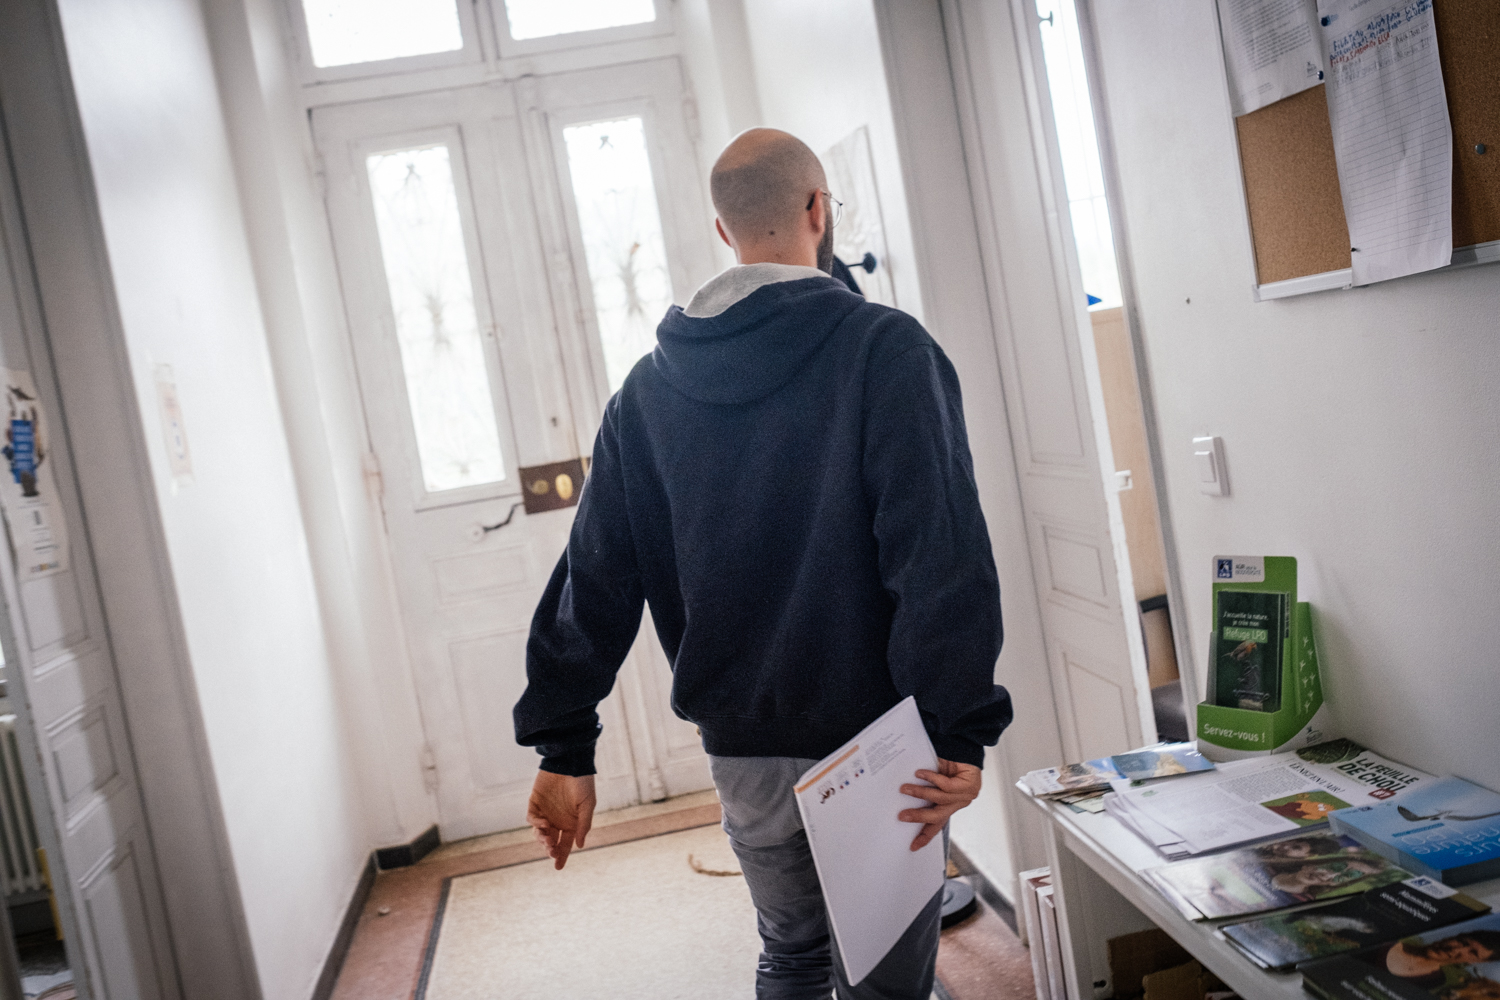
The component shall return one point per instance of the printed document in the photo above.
(874, 885)
(1391, 135)
(1271, 49)
(1252, 799)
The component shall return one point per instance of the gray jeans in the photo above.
(798, 960)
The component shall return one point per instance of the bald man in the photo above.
(786, 479)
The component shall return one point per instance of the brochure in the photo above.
(1458, 962)
(1271, 876)
(1161, 762)
(1386, 914)
(1252, 628)
(1091, 775)
(1449, 829)
(1260, 797)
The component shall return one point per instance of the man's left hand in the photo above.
(949, 789)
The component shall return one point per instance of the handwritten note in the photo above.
(1271, 50)
(1391, 135)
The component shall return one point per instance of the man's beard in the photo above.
(825, 245)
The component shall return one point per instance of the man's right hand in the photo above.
(561, 810)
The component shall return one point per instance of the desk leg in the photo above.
(1089, 913)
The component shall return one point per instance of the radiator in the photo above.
(19, 871)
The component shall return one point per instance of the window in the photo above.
(622, 238)
(1083, 173)
(432, 301)
(544, 18)
(344, 32)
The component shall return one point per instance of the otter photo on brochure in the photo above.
(1286, 872)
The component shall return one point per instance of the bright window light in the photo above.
(342, 32)
(1083, 173)
(622, 238)
(541, 18)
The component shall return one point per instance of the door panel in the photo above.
(75, 749)
(467, 593)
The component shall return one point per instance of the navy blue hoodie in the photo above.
(788, 483)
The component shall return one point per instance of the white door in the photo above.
(483, 347)
(75, 751)
(1095, 656)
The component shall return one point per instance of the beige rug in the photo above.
(619, 923)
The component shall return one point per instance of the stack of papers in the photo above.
(1250, 800)
(1079, 786)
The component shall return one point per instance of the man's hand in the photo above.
(561, 810)
(951, 788)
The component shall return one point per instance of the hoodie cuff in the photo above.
(959, 750)
(575, 762)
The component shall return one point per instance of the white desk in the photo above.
(1099, 895)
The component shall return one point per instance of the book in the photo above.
(1251, 627)
(1161, 762)
(1457, 962)
(1382, 915)
(1449, 829)
(1279, 873)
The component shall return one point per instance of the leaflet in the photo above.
(1271, 50)
(1252, 799)
(874, 884)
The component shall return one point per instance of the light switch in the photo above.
(1208, 462)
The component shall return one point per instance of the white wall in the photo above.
(311, 356)
(1361, 428)
(182, 272)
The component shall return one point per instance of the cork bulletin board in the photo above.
(1291, 179)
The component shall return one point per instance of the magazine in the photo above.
(1090, 776)
(1271, 876)
(1386, 914)
(1258, 798)
(1161, 762)
(1449, 829)
(1458, 962)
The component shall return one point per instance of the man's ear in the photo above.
(722, 234)
(815, 214)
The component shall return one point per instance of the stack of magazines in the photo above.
(1458, 962)
(1255, 799)
(1080, 785)
(1346, 896)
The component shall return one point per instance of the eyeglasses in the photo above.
(838, 206)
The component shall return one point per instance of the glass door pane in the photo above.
(622, 238)
(432, 301)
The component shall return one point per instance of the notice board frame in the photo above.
(1299, 236)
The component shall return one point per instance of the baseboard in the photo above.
(406, 855)
(984, 887)
(335, 961)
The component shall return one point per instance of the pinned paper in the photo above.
(28, 493)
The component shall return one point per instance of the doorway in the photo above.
(1076, 151)
(506, 250)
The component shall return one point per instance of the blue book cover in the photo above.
(1448, 829)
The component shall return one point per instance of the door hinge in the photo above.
(320, 174)
(374, 480)
(429, 767)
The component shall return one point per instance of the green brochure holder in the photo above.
(1300, 720)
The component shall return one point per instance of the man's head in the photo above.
(769, 192)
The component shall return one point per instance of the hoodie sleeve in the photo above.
(935, 557)
(587, 619)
